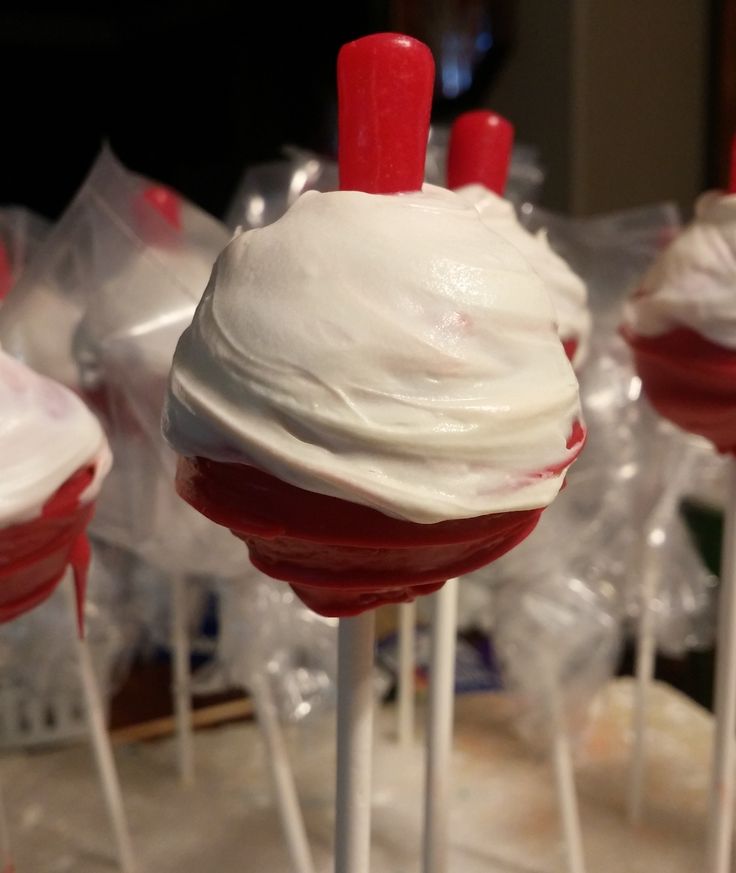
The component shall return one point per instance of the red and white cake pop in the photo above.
(372, 394)
(477, 167)
(54, 457)
(681, 327)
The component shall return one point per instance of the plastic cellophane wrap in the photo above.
(21, 233)
(124, 344)
(633, 457)
(40, 692)
(267, 190)
(101, 308)
(265, 629)
(139, 279)
(559, 604)
(43, 310)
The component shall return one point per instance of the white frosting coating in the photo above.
(46, 435)
(387, 350)
(693, 282)
(567, 289)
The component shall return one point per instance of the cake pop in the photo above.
(681, 325)
(370, 449)
(681, 328)
(55, 457)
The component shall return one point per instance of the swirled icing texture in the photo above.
(693, 282)
(46, 435)
(386, 350)
(567, 289)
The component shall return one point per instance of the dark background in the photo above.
(192, 92)
(188, 93)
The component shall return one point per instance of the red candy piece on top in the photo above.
(157, 216)
(480, 151)
(166, 202)
(690, 381)
(384, 87)
(34, 555)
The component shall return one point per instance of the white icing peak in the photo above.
(693, 282)
(567, 289)
(387, 350)
(46, 435)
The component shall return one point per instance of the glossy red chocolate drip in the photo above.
(342, 558)
(35, 555)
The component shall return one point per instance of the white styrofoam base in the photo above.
(504, 815)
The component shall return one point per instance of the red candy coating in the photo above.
(480, 151)
(342, 558)
(384, 87)
(34, 555)
(690, 381)
(570, 346)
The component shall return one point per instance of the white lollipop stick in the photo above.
(565, 779)
(356, 638)
(435, 842)
(101, 744)
(406, 673)
(5, 851)
(720, 822)
(181, 684)
(646, 642)
(282, 775)
(646, 651)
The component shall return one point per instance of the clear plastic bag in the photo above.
(267, 190)
(21, 233)
(557, 604)
(264, 628)
(40, 692)
(110, 222)
(525, 178)
(148, 275)
(555, 636)
(631, 454)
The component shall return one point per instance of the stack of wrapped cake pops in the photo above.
(374, 390)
